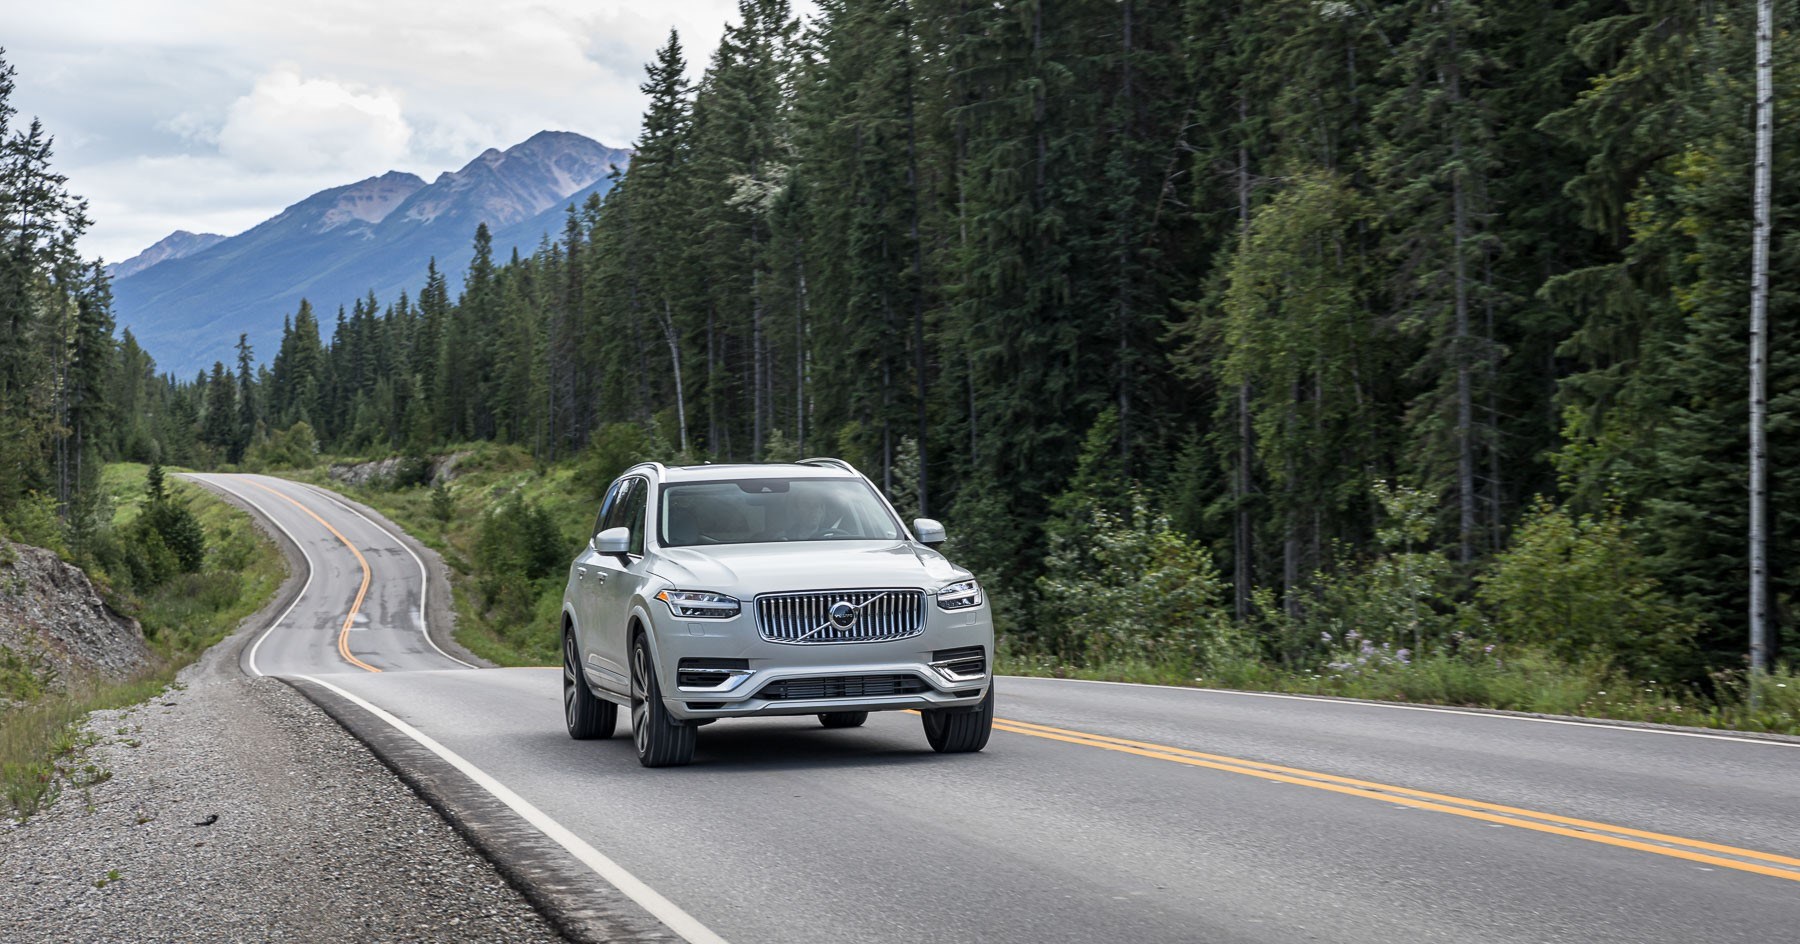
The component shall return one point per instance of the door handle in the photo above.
(580, 572)
(600, 576)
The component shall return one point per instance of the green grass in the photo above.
(42, 743)
(1530, 682)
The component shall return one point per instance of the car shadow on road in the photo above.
(763, 745)
(791, 746)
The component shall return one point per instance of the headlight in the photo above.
(960, 595)
(698, 604)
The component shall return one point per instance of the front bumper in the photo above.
(810, 678)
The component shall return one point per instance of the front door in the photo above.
(623, 578)
(593, 571)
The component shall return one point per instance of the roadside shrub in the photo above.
(412, 471)
(1577, 586)
(33, 520)
(296, 447)
(518, 537)
(172, 522)
(443, 505)
(1399, 599)
(1132, 588)
(614, 448)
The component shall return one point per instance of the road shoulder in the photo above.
(234, 809)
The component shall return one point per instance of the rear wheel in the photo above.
(960, 730)
(587, 716)
(662, 741)
(843, 719)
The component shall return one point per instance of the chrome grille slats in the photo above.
(804, 617)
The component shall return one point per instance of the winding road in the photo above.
(1099, 812)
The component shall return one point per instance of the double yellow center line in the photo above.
(343, 642)
(1692, 850)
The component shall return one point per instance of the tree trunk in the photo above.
(918, 261)
(668, 327)
(1465, 401)
(1759, 346)
(1243, 534)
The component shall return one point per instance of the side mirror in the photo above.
(931, 534)
(612, 541)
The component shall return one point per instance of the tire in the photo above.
(960, 730)
(843, 719)
(588, 716)
(661, 740)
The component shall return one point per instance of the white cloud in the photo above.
(216, 114)
(291, 123)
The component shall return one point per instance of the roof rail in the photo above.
(828, 461)
(659, 467)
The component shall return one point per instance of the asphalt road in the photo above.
(1098, 812)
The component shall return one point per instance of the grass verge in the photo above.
(1527, 681)
(42, 744)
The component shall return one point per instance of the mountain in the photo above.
(339, 244)
(176, 245)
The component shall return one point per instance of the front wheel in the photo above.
(588, 717)
(662, 741)
(960, 730)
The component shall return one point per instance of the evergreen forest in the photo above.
(1331, 335)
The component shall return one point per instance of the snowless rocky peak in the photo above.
(173, 246)
(371, 200)
(504, 187)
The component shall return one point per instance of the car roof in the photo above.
(751, 470)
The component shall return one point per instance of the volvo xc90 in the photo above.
(729, 591)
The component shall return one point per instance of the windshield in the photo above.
(763, 510)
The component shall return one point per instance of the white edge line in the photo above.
(664, 910)
(277, 621)
(424, 577)
(1327, 699)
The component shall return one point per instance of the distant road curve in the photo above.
(1098, 812)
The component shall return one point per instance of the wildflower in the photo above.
(1488, 648)
(1352, 636)
(1324, 637)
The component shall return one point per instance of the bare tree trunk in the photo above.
(667, 323)
(799, 346)
(712, 381)
(1243, 533)
(1759, 347)
(918, 264)
(1465, 399)
(1123, 247)
(756, 364)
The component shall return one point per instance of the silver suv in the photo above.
(730, 591)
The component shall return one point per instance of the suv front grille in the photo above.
(878, 615)
(842, 686)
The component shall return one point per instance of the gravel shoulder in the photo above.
(232, 808)
(313, 840)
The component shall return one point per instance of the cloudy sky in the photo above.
(213, 115)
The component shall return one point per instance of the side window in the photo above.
(606, 507)
(613, 515)
(634, 514)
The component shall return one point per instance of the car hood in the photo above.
(745, 570)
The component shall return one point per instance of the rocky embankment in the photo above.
(54, 626)
(434, 470)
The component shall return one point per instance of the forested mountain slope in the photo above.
(338, 245)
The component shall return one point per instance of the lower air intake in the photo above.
(842, 686)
